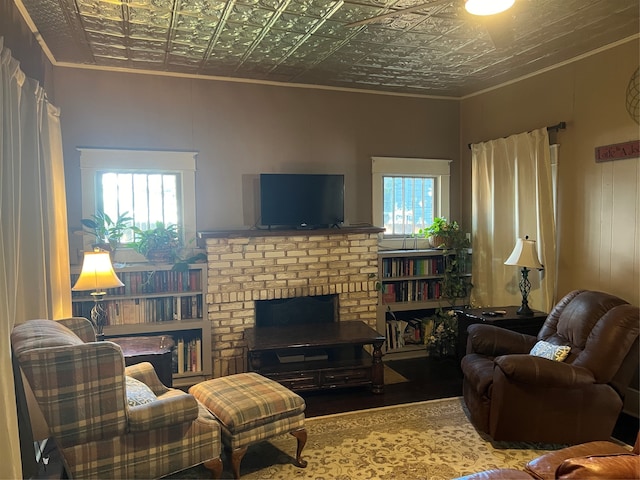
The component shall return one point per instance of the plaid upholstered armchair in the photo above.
(110, 421)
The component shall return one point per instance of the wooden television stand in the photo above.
(318, 356)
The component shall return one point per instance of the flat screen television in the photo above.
(301, 200)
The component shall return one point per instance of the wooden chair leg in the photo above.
(301, 436)
(236, 457)
(215, 466)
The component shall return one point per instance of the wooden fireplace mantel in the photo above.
(248, 233)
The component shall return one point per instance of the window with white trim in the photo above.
(145, 197)
(149, 186)
(408, 193)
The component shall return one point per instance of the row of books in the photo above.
(399, 333)
(145, 310)
(187, 355)
(154, 281)
(411, 291)
(411, 267)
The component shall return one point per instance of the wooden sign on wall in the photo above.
(618, 151)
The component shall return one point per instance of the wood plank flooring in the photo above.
(429, 379)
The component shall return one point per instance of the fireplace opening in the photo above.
(297, 311)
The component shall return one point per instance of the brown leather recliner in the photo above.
(601, 459)
(515, 396)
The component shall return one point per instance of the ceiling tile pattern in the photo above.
(436, 50)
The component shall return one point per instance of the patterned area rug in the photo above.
(431, 440)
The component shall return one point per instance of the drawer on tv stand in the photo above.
(296, 381)
(345, 376)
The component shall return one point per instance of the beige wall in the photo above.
(241, 130)
(599, 203)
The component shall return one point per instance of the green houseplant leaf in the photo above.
(107, 232)
(159, 243)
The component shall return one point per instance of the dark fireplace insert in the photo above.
(297, 311)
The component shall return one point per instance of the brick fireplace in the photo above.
(251, 265)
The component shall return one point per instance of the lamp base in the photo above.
(98, 316)
(525, 288)
(524, 311)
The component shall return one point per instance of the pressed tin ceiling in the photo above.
(437, 50)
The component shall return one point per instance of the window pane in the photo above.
(170, 195)
(140, 201)
(110, 195)
(407, 204)
(147, 197)
(125, 201)
(155, 199)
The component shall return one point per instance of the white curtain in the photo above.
(34, 251)
(512, 196)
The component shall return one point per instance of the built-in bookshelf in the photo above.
(157, 300)
(410, 289)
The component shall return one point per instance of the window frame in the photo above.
(438, 169)
(183, 163)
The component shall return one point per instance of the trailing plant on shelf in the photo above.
(182, 262)
(107, 232)
(441, 328)
(456, 285)
(160, 243)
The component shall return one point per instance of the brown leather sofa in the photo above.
(592, 460)
(515, 396)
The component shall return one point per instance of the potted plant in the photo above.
(441, 333)
(107, 232)
(448, 236)
(442, 326)
(439, 233)
(159, 244)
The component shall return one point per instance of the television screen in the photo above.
(301, 200)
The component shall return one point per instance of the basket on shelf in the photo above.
(438, 241)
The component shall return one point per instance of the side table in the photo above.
(156, 350)
(529, 325)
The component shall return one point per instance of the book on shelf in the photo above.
(198, 355)
(411, 290)
(388, 293)
(412, 267)
(187, 355)
(180, 348)
(131, 311)
(150, 282)
(395, 334)
(413, 332)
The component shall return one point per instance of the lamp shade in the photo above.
(487, 7)
(524, 254)
(97, 273)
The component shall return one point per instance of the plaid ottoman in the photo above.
(250, 409)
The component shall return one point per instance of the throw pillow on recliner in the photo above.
(550, 351)
(609, 467)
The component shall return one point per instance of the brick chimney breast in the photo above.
(248, 266)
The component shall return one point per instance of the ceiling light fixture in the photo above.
(487, 7)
